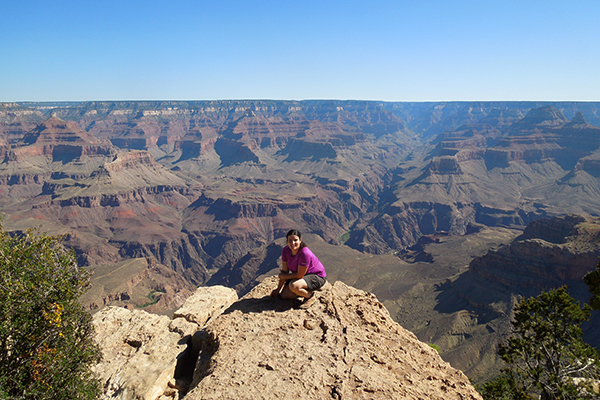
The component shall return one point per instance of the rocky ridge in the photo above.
(550, 253)
(60, 141)
(137, 283)
(346, 346)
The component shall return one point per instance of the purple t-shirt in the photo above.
(303, 257)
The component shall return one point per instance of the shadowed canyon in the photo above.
(447, 212)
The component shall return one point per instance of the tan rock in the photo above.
(183, 327)
(205, 303)
(139, 353)
(345, 346)
(141, 350)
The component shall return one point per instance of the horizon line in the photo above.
(21, 102)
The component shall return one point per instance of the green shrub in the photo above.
(46, 337)
(344, 238)
(503, 387)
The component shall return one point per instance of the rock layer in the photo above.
(346, 346)
(550, 253)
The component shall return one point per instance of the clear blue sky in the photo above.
(417, 50)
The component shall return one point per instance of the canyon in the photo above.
(442, 210)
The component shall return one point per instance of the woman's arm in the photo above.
(295, 275)
(283, 275)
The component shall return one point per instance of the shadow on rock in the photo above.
(258, 305)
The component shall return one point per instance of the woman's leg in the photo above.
(295, 288)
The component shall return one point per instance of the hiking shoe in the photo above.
(297, 302)
(308, 302)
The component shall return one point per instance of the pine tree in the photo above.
(592, 280)
(546, 353)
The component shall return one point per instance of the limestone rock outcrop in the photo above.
(205, 304)
(550, 253)
(346, 346)
(61, 141)
(141, 351)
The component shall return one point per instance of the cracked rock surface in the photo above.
(346, 346)
(144, 355)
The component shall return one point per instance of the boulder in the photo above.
(206, 303)
(346, 346)
(143, 353)
(139, 353)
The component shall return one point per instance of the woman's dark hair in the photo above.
(296, 232)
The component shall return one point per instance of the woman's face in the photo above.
(293, 242)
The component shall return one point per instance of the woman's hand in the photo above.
(284, 275)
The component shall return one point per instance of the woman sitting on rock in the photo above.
(302, 272)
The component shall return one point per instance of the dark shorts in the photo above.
(313, 281)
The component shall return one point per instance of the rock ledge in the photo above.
(346, 346)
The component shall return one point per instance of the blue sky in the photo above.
(418, 50)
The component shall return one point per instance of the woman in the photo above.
(302, 272)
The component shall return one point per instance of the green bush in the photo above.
(503, 387)
(46, 337)
(344, 238)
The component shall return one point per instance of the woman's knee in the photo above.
(297, 285)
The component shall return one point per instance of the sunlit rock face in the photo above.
(344, 346)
